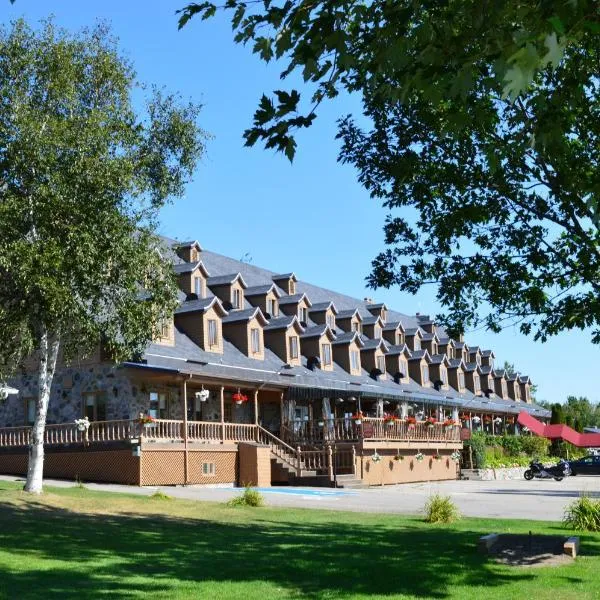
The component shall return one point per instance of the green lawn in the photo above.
(75, 543)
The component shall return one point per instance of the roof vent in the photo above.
(438, 385)
(313, 362)
(375, 373)
(398, 377)
(191, 296)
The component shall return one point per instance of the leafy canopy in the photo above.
(481, 138)
(82, 177)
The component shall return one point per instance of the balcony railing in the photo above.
(368, 428)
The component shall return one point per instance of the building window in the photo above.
(434, 348)
(30, 404)
(444, 375)
(381, 363)
(449, 352)
(237, 298)
(517, 393)
(476, 383)
(403, 368)
(331, 321)
(303, 314)
(293, 347)
(326, 348)
(417, 343)
(164, 329)
(461, 381)
(383, 315)
(377, 332)
(255, 340)
(159, 405)
(199, 287)
(425, 372)
(213, 338)
(478, 359)
(354, 361)
(292, 287)
(193, 255)
(272, 307)
(356, 326)
(94, 406)
(209, 469)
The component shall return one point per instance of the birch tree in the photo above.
(83, 174)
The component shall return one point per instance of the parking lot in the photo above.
(519, 499)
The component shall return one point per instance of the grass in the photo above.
(78, 543)
(583, 514)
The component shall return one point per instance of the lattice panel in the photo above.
(116, 466)
(166, 467)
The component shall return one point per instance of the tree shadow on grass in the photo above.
(127, 555)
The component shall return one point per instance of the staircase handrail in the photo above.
(282, 446)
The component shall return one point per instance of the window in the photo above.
(213, 338)
(164, 329)
(272, 307)
(354, 361)
(403, 366)
(434, 348)
(237, 298)
(209, 469)
(425, 372)
(303, 314)
(449, 352)
(504, 389)
(326, 354)
(331, 320)
(193, 255)
(94, 406)
(476, 383)
(356, 326)
(377, 332)
(417, 343)
(383, 315)
(29, 410)
(517, 393)
(199, 287)
(381, 363)
(255, 340)
(159, 405)
(461, 381)
(293, 347)
(292, 287)
(478, 358)
(444, 375)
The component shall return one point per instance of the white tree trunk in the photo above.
(47, 363)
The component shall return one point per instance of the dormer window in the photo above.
(272, 307)
(326, 353)
(476, 384)
(461, 381)
(193, 254)
(255, 340)
(478, 359)
(236, 299)
(417, 343)
(303, 314)
(293, 347)
(434, 348)
(425, 373)
(444, 375)
(377, 331)
(199, 287)
(403, 366)
(354, 361)
(292, 287)
(356, 326)
(383, 315)
(213, 336)
(449, 351)
(331, 321)
(381, 363)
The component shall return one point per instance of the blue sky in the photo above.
(311, 217)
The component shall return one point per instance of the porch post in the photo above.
(470, 422)
(223, 414)
(256, 407)
(493, 426)
(281, 409)
(185, 435)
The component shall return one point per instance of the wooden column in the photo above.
(222, 414)
(493, 426)
(256, 407)
(281, 415)
(185, 434)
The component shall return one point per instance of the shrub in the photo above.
(441, 509)
(250, 497)
(583, 514)
(511, 444)
(160, 495)
(534, 446)
(477, 444)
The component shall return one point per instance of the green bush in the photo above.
(534, 446)
(477, 444)
(507, 461)
(441, 509)
(160, 495)
(250, 497)
(583, 514)
(511, 444)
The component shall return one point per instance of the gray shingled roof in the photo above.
(262, 290)
(316, 331)
(485, 369)
(244, 315)
(226, 280)
(282, 323)
(499, 372)
(348, 314)
(282, 276)
(370, 344)
(419, 354)
(199, 305)
(347, 338)
(294, 299)
(323, 306)
(455, 363)
(398, 349)
(190, 267)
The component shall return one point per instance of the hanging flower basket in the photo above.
(376, 457)
(455, 456)
(476, 420)
(419, 456)
(411, 422)
(430, 422)
(498, 421)
(399, 457)
(147, 420)
(437, 456)
(390, 420)
(358, 417)
(239, 398)
(82, 424)
(448, 423)
(203, 395)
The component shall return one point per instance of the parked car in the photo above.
(588, 465)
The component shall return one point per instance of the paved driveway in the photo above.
(538, 499)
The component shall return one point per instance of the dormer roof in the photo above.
(460, 345)
(393, 326)
(347, 338)
(399, 349)
(348, 314)
(295, 299)
(323, 306)
(488, 353)
(226, 280)
(245, 315)
(426, 337)
(370, 344)
(512, 377)
(284, 276)
(190, 268)
(524, 379)
(284, 323)
(455, 363)
(318, 331)
(438, 359)
(485, 369)
(472, 366)
(499, 373)
(201, 305)
(420, 354)
(414, 331)
(262, 290)
(189, 244)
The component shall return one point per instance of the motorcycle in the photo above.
(538, 471)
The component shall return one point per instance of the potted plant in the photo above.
(239, 398)
(390, 420)
(455, 456)
(448, 423)
(82, 424)
(430, 421)
(357, 417)
(437, 456)
(411, 422)
(398, 457)
(376, 457)
(419, 456)
(147, 420)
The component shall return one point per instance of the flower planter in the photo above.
(358, 422)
